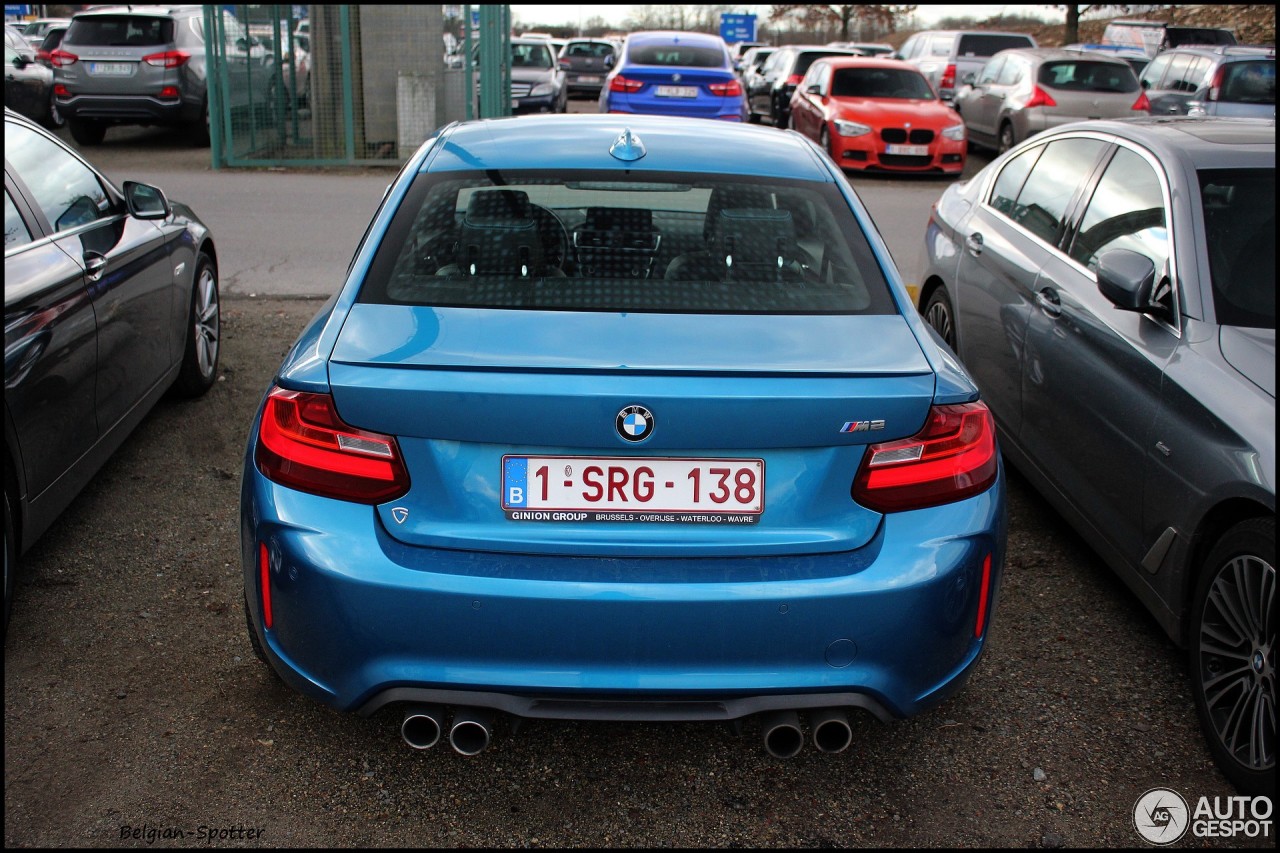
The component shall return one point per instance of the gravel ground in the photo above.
(136, 714)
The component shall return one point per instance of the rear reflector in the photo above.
(953, 457)
(264, 583)
(984, 594)
(303, 444)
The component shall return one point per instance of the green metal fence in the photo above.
(346, 85)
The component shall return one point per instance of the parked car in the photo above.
(53, 38)
(1022, 92)
(674, 73)
(769, 89)
(35, 31)
(586, 63)
(752, 60)
(1226, 81)
(110, 301)
(13, 38)
(1152, 37)
(738, 50)
(1111, 287)
(537, 81)
(866, 48)
(28, 89)
(878, 114)
(1136, 58)
(147, 65)
(946, 57)
(590, 432)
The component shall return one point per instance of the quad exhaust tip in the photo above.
(782, 735)
(471, 730)
(422, 726)
(831, 730)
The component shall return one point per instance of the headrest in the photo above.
(499, 235)
(734, 196)
(756, 241)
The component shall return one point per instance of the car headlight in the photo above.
(542, 89)
(956, 132)
(851, 128)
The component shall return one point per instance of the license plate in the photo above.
(588, 78)
(111, 69)
(515, 103)
(910, 150)
(677, 490)
(677, 92)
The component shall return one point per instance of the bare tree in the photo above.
(866, 20)
(1072, 33)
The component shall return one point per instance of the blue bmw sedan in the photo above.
(675, 74)
(606, 425)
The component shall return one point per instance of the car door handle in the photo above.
(94, 265)
(1049, 302)
(974, 244)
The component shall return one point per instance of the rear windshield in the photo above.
(1240, 231)
(1082, 75)
(989, 44)
(1251, 82)
(120, 31)
(685, 55)
(1178, 36)
(648, 242)
(804, 60)
(879, 83)
(589, 48)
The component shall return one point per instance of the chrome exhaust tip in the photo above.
(831, 730)
(471, 730)
(782, 735)
(422, 726)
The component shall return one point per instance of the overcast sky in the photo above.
(614, 14)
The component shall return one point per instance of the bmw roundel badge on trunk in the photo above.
(635, 423)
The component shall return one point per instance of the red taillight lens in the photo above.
(1215, 88)
(622, 84)
(953, 457)
(303, 444)
(948, 77)
(1142, 104)
(984, 596)
(732, 89)
(1039, 98)
(264, 582)
(62, 59)
(794, 79)
(564, 64)
(168, 59)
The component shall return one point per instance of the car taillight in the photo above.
(1142, 104)
(732, 89)
(1039, 98)
(622, 84)
(948, 77)
(953, 457)
(303, 444)
(1215, 88)
(61, 59)
(565, 64)
(168, 59)
(794, 79)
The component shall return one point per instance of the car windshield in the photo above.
(1249, 82)
(649, 243)
(120, 31)
(1084, 75)
(879, 83)
(687, 55)
(1240, 231)
(530, 56)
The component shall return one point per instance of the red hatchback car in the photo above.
(878, 114)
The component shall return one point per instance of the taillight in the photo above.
(61, 59)
(794, 79)
(303, 444)
(44, 54)
(1142, 104)
(168, 59)
(1215, 88)
(948, 77)
(1039, 98)
(953, 457)
(732, 89)
(622, 84)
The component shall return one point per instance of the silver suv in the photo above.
(1234, 80)
(946, 57)
(147, 65)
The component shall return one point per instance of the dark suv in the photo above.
(147, 65)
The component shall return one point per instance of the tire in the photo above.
(198, 130)
(752, 116)
(200, 353)
(939, 313)
(258, 651)
(87, 131)
(10, 560)
(1232, 654)
(1007, 139)
(55, 119)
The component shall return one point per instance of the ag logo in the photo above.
(1161, 816)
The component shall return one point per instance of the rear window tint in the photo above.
(652, 242)
(685, 55)
(1249, 82)
(985, 44)
(589, 49)
(804, 60)
(120, 31)
(1240, 231)
(1087, 76)
(879, 83)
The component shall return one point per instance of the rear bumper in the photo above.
(360, 620)
(142, 109)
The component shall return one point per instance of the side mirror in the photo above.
(814, 89)
(1126, 278)
(610, 61)
(20, 62)
(146, 201)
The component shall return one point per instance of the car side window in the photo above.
(1154, 71)
(1047, 193)
(16, 232)
(67, 190)
(991, 71)
(909, 48)
(816, 76)
(1176, 78)
(1126, 212)
(1011, 73)
(1014, 174)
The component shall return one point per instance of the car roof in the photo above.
(583, 142)
(869, 62)
(1201, 142)
(157, 11)
(1045, 54)
(1226, 51)
(669, 35)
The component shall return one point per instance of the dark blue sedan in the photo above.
(675, 74)
(606, 425)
